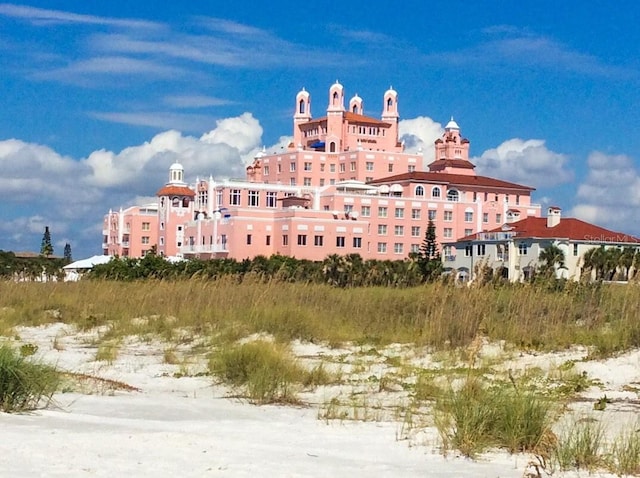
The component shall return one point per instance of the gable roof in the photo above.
(568, 228)
(453, 179)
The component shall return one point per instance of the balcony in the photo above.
(204, 249)
(449, 258)
(125, 243)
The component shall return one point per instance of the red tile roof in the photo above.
(568, 228)
(453, 179)
(440, 164)
(173, 190)
(351, 118)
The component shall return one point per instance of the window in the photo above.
(481, 249)
(322, 167)
(332, 168)
(475, 196)
(234, 197)
(307, 166)
(453, 195)
(468, 216)
(398, 248)
(432, 214)
(415, 231)
(382, 229)
(357, 242)
(279, 168)
(353, 166)
(411, 168)
(419, 191)
(398, 230)
(265, 170)
(342, 168)
(435, 192)
(145, 239)
(302, 239)
(254, 198)
(249, 239)
(292, 181)
(448, 216)
(498, 218)
(415, 214)
(575, 249)
(468, 232)
(415, 248)
(382, 211)
(382, 247)
(365, 211)
(369, 166)
(285, 239)
(306, 182)
(340, 241)
(292, 167)
(522, 249)
(271, 198)
(399, 213)
(468, 251)
(268, 240)
(517, 199)
(318, 241)
(448, 232)
(485, 217)
(446, 252)
(391, 168)
(146, 226)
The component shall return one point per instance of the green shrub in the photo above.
(625, 453)
(23, 383)
(265, 371)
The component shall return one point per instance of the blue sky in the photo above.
(99, 98)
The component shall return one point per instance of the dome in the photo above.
(452, 124)
(391, 91)
(175, 166)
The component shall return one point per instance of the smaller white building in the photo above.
(513, 250)
(75, 270)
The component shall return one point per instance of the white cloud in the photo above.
(419, 134)
(42, 16)
(194, 101)
(610, 194)
(528, 162)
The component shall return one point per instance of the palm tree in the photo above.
(594, 260)
(551, 256)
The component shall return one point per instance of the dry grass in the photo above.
(438, 315)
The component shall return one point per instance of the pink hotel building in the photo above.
(344, 185)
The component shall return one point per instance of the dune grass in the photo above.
(264, 371)
(477, 415)
(438, 315)
(24, 383)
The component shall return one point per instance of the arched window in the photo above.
(419, 191)
(435, 192)
(389, 104)
(175, 202)
(332, 147)
(355, 108)
(335, 98)
(452, 195)
(301, 106)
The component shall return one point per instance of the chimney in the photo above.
(553, 216)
